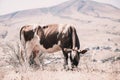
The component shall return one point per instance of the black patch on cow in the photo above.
(28, 35)
(66, 41)
(49, 41)
(76, 60)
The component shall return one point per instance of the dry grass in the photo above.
(61, 75)
(15, 56)
(88, 70)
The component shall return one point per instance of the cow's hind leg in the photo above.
(28, 56)
(32, 62)
(35, 60)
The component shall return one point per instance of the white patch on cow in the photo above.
(62, 28)
(22, 40)
(35, 35)
(76, 48)
(66, 28)
(34, 26)
(59, 42)
(36, 39)
(73, 53)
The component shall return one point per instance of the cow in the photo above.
(52, 38)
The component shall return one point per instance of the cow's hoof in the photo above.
(35, 66)
(75, 69)
(66, 68)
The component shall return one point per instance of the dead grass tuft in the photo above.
(14, 54)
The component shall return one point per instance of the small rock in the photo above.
(109, 39)
(116, 44)
(118, 58)
(107, 47)
(94, 60)
(117, 50)
(3, 34)
(96, 48)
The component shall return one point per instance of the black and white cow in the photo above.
(52, 38)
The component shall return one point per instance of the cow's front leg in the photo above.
(74, 58)
(65, 60)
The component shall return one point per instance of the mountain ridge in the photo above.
(86, 7)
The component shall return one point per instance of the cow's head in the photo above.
(75, 56)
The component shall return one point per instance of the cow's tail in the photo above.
(75, 40)
(21, 31)
(22, 39)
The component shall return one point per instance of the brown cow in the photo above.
(52, 38)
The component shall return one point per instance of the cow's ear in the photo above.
(82, 51)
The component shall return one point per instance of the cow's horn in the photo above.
(82, 51)
(65, 49)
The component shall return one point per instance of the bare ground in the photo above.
(88, 69)
(100, 36)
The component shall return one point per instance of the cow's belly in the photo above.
(55, 48)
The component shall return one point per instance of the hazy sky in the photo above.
(113, 2)
(8, 6)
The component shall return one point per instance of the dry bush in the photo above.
(14, 54)
(16, 58)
